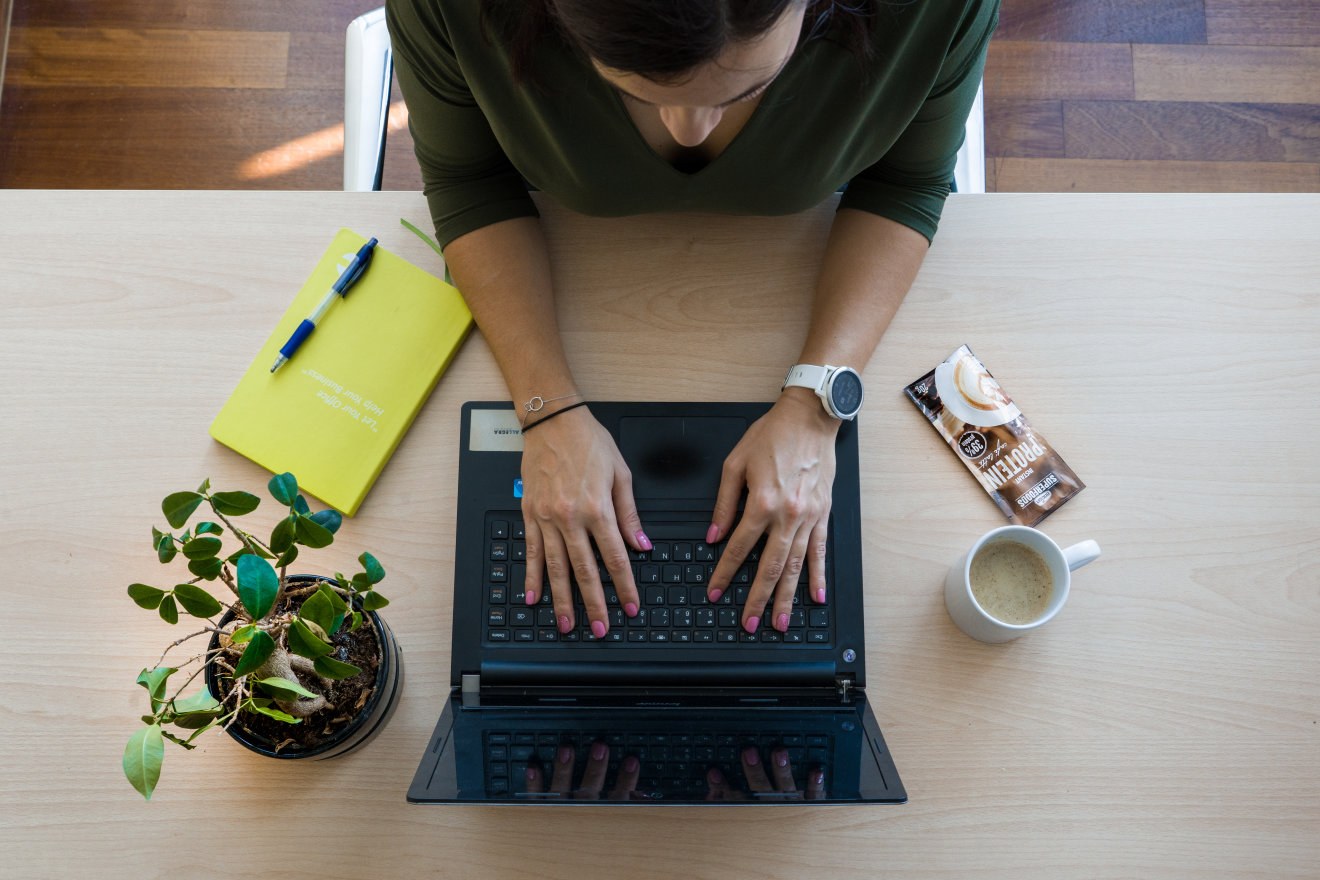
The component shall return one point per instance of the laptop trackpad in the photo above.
(678, 457)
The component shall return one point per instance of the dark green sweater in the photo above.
(891, 136)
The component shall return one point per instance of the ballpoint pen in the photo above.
(339, 289)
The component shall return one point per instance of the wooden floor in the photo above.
(1086, 95)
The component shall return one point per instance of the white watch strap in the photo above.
(808, 376)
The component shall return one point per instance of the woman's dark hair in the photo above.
(664, 40)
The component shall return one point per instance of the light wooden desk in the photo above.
(1166, 724)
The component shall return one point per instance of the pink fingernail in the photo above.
(715, 596)
(599, 751)
(531, 772)
(530, 598)
(781, 758)
(751, 757)
(781, 623)
(630, 764)
(565, 754)
(564, 624)
(598, 629)
(820, 777)
(643, 541)
(712, 534)
(820, 595)
(714, 776)
(753, 623)
(630, 609)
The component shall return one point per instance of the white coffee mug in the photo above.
(979, 624)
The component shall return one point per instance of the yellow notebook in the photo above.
(335, 412)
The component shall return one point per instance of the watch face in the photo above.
(846, 393)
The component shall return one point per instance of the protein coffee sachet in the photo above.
(1023, 475)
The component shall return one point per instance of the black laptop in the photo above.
(678, 705)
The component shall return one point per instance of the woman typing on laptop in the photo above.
(618, 107)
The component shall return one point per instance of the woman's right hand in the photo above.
(576, 488)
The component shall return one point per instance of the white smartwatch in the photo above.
(839, 388)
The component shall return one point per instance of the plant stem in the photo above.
(178, 642)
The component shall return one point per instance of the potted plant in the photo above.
(297, 666)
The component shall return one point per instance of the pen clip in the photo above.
(354, 272)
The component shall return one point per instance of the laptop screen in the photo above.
(657, 755)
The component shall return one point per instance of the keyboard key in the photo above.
(703, 552)
(677, 595)
(499, 530)
(682, 635)
(792, 637)
(682, 617)
(524, 635)
(615, 616)
(519, 531)
(703, 635)
(818, 636)
(705, 616)
(683, 552)
(497, 635)
(495, 617)
(726, 635)
(796, 618)
(660, 617)
(498, 573)
(672, 574)
(655, 595)
(661, 551)
(659, 636)
(694, 574)
(499, 595)
(519, 552)
(728, 617)
(499, 551)
(520, 615)
(636, 635)
(545, 617)
(820, 617)
(547, 635)
(640, 619)
(648, 574)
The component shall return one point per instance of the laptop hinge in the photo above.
(471, 690)
(845, 687)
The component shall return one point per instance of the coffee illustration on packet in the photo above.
(1023, 476)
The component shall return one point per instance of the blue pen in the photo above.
(350, 275)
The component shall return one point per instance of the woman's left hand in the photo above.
(786, 461)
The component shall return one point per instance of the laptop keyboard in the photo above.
(671, 583)
(670, 765)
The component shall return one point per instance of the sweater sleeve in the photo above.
(909, 185)
(467, 179)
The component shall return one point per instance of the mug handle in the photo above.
(1081, 553)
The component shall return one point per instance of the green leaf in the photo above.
(235, 503)
(283, 488)
(361, 583)
(373, 601)
(166, 549)
(304, 642)
(283, 689)
(258, 652)
(168, 611)
(357, 621)
(142, 759)
(281, 538)
(242, 635)
(202, 701)
(186, 743)
(328, 667)
(258, 585)
(339, 606)
(209, 528)
(207, 569)
(145, 596)
(202, 548)
(154, 680)
(319, 610)
(288, 557)
(330, 520)
(197, 601)
(156, 535)
(300, 506)
(312, 534)
(264, 707)
(195, 711)
(373, 569)
(179, 506)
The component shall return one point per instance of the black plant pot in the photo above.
(364, 726)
